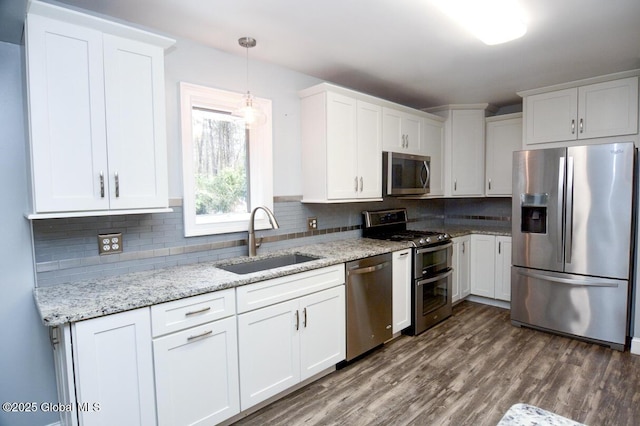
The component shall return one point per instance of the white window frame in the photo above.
(260, 161)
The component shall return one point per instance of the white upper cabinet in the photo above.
(583, 111)
(401, 131)
(341, 148)
(504, 136)
(464, 144)
(96, 115)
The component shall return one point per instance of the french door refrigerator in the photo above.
(572, 240)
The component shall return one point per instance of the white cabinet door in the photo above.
(401, 296)
(269, 351)
(467, 163)
(483, 265)
(551, 116)
(503, 268)
(113, 364)
(608, 109)
(504, 136)
(369, 150)
(461, 267)
(434, 147)
(135, 117)
(66, 115)
(196, 374)
(322, 331)
(342, 151)
(401, 131)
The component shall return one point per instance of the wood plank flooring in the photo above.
(469, 370)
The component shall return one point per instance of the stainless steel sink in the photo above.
(257, 265)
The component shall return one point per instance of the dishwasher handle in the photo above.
(369, 269)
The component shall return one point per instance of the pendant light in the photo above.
(248, 109)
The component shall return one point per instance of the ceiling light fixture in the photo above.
(492, 21)
(248, 108)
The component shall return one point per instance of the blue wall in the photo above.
(26, 360)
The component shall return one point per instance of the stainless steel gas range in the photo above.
(431, 280)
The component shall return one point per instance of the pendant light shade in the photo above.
(248, 108)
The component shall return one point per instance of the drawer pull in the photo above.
(199, 311)
(197, 336)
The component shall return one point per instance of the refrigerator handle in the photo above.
(559, 218)
(569, 223)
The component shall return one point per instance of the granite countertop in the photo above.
(85, 299)
(80, 300)
(460, 230)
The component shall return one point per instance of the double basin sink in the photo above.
(257, 265)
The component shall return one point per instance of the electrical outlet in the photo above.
(312, 223)
(109, 243)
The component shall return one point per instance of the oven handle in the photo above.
(432, 249)
(436, 278)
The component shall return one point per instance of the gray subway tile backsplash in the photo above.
(66, 249)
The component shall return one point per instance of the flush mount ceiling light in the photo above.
(248, 108)
(492, 21)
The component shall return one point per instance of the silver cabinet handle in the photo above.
(101, 185)
(197, 336)
(361, 184)
(356, 183)
(581, 125)
(407, 138)
(404, 254)
(117, 185)
(297, 320)
(455, 185)
(199, 311)
(573, 127)
(499, 247)
(463, 247)
(489, 184)
(304, 311)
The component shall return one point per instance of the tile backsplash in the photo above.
(67, 249)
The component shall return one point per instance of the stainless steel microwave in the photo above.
(405, 174)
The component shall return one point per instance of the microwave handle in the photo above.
(425, 182)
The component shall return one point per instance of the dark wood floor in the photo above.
(468, 371)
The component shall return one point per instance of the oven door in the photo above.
(432, 302)
(432, 260)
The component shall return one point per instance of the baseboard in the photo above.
(488, 301)
(635, 346)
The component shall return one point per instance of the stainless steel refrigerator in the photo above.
(572, 235)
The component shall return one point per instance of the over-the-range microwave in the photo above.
(405, 174)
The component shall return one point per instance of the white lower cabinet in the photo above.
(401, 295)
(289, 329)
(283, 344)
(196, 367)
(490, 266)
(461, 263)
(113, 369)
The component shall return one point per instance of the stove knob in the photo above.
(440, 237)
(428, 240)
(421, 241)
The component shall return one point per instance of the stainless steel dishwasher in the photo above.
(369, 306)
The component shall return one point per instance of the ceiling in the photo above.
(405, 51)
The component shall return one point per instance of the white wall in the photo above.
(198, 64)
(26, 360)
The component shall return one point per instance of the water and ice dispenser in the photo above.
(534, 213)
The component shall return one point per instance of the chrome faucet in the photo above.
(253, 245)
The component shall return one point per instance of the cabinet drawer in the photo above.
(180, 314)
(265, 293)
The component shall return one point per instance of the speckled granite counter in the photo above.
(460, 230)
(86, 299)
(528, 415)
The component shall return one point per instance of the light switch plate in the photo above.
(109, 243)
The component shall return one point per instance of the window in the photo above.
(227, 167)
